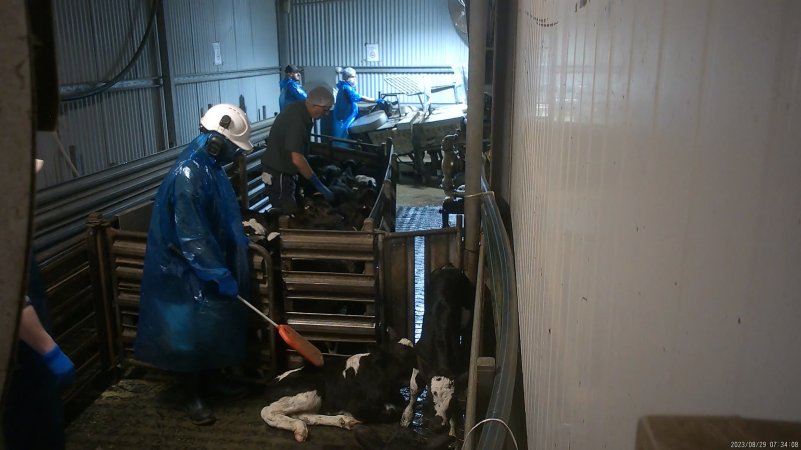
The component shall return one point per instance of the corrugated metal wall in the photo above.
(96, 39)
(656, 161)
(415, 38)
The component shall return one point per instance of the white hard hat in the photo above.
(236, 128)
(348, 72)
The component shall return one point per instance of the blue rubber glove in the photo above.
(60, 364)
(379, 101)
(228, 287)
(321, 188)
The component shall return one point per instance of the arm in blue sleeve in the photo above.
(298, 92)
(195, 238)
(354, 96)
(321, 188)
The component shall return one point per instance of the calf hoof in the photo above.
(406, 420)
(348, 422)
(301, 435)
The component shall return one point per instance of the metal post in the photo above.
(475, 106)
(475, 352)
(17, 113)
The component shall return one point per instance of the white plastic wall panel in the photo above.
(656, 217)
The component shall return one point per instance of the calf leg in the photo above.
(442, 392)
(277, 414)
(414, 391)
(344, 421)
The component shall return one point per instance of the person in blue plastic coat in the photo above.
(32, 412)
(346, 107)
(291, 90)
(190, 321)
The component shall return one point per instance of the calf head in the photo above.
(316, 214)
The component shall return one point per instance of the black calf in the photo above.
(363, 388)
(443, 350)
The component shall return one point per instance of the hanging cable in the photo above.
(64, 153)
(107, 85)
(492, 419)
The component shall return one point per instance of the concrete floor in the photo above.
(143, 413)
(411, 192)
(418, 195)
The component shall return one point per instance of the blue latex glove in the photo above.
(379, 101)
(228, 287)
(321, 188)
(60, 364)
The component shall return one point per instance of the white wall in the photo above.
(657, 223)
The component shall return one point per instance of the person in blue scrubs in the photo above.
(196, 263)
(291, 90)
(346, 107)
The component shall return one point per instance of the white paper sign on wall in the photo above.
(372, 52)
(217, 54)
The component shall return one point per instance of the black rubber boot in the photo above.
(200, 413)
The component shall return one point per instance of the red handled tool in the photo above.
(291, 337)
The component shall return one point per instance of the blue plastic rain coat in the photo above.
(291, 92)
(346, 108)
(185, 324)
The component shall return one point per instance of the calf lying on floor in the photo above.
(342, 393)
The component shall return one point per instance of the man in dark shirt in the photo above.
(287, 147)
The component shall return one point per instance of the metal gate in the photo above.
(403, 276)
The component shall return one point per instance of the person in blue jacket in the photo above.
(291, 90)
(32, 412)
(196, 264)
(346, 107)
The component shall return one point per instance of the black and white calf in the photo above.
(342, 393)
(443, 350)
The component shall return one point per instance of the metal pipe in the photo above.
(475, 107)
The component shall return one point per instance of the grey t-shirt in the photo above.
(289, 133)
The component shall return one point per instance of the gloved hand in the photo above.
(329, 196)
(379, 101)
(228, 287)
(60, 364)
